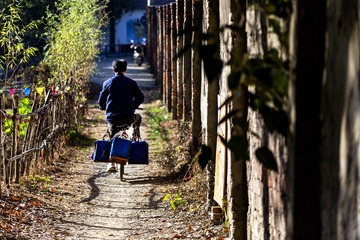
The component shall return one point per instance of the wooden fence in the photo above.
(169, 35)
(23, 153)
(179, 33)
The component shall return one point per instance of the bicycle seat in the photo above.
(123, 127)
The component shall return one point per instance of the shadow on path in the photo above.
(145, 180)
(95, 191)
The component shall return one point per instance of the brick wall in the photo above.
(267, 189)
(269, 192)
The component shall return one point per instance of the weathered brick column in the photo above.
(210, 90)
(168, 65)
(163, 49)
(159, 51)
(152, 39)
(187, 59)
(173, 33)
(180, 59)
(196, 74)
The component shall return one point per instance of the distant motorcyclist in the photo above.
(138, 53)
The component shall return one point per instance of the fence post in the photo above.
(1, 150)
(187, 59)
(40, 129)
(48, 126)
(54, 120)
(179, 60)
(158, 48)
(15, 149)
(168, 64)
(3, 145)
(164, 49)
(196, 76)
(155, 32)
(28, 139)
(173, 61)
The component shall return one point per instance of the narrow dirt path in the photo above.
(109, 208)
(103, 207)
(92, 204)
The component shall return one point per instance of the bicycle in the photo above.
(122, 133)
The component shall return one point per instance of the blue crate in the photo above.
(139, 153)
(101, 151)
(120, 150)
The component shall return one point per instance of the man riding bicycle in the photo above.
(119, 97)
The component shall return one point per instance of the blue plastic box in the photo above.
(101, 151)
(139, 153)
(120, 150)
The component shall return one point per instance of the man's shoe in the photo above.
(111, 169)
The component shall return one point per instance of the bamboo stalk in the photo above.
(1, 150)
(3, 147)
(28, 138)
(31, 142)
(15, 147)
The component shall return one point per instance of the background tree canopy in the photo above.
(115, 9)
(31, 10)
(35, 10)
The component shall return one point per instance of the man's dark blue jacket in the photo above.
(120, 96)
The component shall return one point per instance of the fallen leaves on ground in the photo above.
(19, 216)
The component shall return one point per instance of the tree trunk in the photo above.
(5, 164)
(163, 49)
(340, 110)
(160, 49)
(180, 59)
(211, 27)
(196, 76)
(187, 59)
(305, 133)
(15, 140)
(237, 184)
(174, 69)
(169, 60)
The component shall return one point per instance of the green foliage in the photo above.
(277, 13)
(74, 35)
(279, 8)
(15, 52)
(35, 9)
(174, 200)
(8, 124)
(76, 138)
(265, 81)
(40, 179)
(25, 107)
(270, 78)
(156, 115)
(40, 182)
